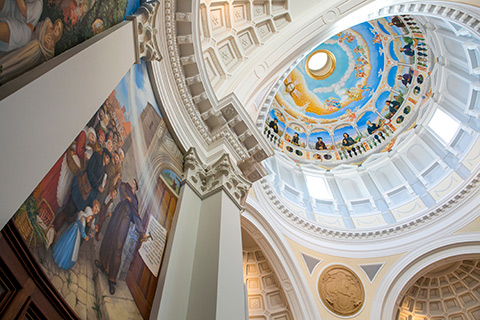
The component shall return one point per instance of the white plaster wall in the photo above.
(41, 119)
(230, 287)
(216, 290)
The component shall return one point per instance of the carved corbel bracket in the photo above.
(145, 30)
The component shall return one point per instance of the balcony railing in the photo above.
(335, 153)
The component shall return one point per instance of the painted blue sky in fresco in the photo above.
(137, 82)
(346, 56)
(132, 6)
(338, 134)
(302, 137)
(362, 122)
(355, 92)
(313, 138)
(382, 23)
(273, 114)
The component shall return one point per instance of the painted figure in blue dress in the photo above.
(65, 251)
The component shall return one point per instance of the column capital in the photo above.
(208, 179)
(145, 31)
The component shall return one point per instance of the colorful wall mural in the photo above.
(376, 85)
(34, 31)
(98, 221)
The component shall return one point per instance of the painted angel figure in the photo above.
(333, 104)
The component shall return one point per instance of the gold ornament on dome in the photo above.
(341, 290)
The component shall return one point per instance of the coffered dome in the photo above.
(382, 170)
(449, 291)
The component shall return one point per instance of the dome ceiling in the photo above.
(371, 63)
(452, 291)
(356, 189)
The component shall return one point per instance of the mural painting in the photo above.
(275, 122)
(34, 31)
(372, 90)
(320, 140)
(296, 135)
(98, 222)
(172, 180)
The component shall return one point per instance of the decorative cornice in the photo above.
(207, 180)
(316, 230)
(464, 15)
(213, 121)
(146, 31)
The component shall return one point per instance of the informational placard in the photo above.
(151, 250)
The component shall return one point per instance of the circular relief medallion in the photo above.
(341, 290)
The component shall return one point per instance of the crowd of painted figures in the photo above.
(377, 130)
(25, 41)
(372, 128)
(85, 188)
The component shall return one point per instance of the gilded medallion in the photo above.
(341, 290)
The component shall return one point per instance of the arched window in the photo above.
(443, 126)
(318, 187)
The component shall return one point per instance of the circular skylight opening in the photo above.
(317, 61)
(320, 64)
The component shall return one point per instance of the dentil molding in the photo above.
(461, 199)
(195, 112)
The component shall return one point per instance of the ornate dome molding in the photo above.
(464, 203)
(406, 271)
(232, 31)
(227, 120)
(194, 113)
(363, 100)
(294, 215)
(207, 121)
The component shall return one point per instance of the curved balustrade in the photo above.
(336, 153)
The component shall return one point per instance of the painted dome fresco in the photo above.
(352, 95)
(375, 136)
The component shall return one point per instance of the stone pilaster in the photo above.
(202, 276)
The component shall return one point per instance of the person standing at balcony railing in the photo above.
(373, 128)
(320, 145)
(295, 139)
(348, 143)
(274, 125)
